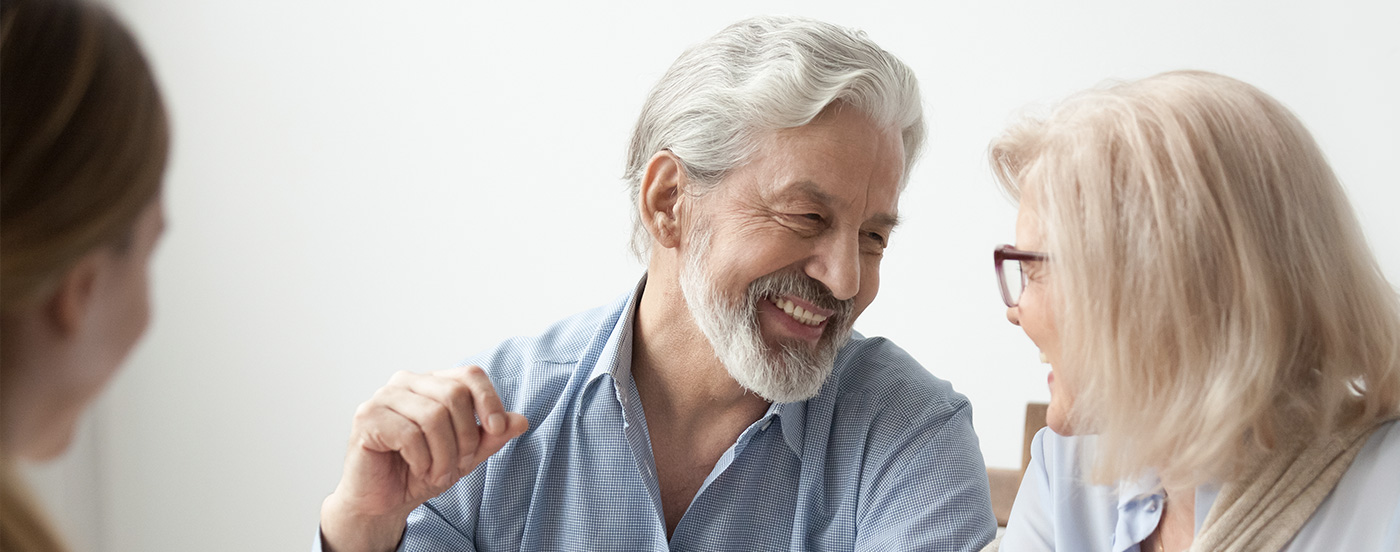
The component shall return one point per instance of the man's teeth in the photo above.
(1044, 358)
(798, 313)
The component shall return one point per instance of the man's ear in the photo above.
(73, 297)
(663, 186)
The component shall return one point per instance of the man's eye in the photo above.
(877, 238)
(807, 220)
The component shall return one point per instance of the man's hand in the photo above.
(410, 442)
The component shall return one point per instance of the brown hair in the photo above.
(83, 144)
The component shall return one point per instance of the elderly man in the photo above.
(724, 403)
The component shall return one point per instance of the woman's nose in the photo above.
(1013, 314)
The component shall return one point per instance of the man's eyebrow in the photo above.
(885, 220)
(815, 193)
(809, 189)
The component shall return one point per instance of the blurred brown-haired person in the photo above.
(84, 146)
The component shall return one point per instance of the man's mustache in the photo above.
(798, 284)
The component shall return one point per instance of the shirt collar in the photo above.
(794, 421)
(1139, 510)
(612, 361)
(1140, 505)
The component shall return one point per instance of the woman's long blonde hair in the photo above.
(1216, 296)
(82, 148)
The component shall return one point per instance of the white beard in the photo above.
(793, 373)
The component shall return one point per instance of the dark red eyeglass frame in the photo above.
(1009, 253)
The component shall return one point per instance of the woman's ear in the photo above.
(663, 185)
(72, 297)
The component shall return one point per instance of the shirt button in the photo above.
(765, 425)
(1152, 506)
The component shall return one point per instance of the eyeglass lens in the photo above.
(1013, 279)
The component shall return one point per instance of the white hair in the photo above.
(757, 76)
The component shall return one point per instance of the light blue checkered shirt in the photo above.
(884, 458)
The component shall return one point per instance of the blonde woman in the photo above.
(1225, 353)
(82, 147)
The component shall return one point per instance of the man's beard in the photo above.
(794, 372)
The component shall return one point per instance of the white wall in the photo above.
(359, 187)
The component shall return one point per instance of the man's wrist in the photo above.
(343, 530)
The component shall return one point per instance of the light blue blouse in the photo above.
(1056, 508)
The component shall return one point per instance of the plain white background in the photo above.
(358, 188)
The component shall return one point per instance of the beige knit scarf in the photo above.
(1261, 511)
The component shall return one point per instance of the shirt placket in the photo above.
(634, 426)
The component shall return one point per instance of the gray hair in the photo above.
(760, 75)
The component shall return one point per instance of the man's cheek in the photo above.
(859, 307)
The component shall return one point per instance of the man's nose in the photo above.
(1014, 315)
(837, 266)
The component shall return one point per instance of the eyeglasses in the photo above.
(1009, 274)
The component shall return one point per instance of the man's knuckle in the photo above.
(364, 411)
(437, 416)
(458, 391)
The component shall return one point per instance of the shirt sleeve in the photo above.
(1030, 528)
(932, 492)
(449, 520)
(316, 546)
(428, 532)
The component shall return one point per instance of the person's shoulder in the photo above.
(1386, 440)
(563, 342)
(1062, 457)
(877, 383)
(877, 369)
(1373, 470)
(1056, 505)
(1363, 510)
(545, 362)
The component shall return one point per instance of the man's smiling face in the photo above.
(785, 252)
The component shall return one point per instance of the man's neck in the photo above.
(694, 409)
(678, 377)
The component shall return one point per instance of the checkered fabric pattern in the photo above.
(884, 458)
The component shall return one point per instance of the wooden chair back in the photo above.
(1005, 482)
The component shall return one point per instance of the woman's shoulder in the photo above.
(1363, 511)
(1373, 472)
(1375, 466)
(1057, 508)
(1063, 455)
